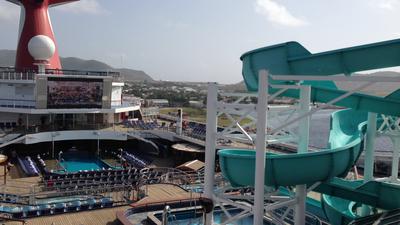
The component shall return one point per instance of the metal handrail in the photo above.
(83, 72)
(170, 176)
(8, 218)
(10, 73)
(35, 191)
(17, 103)
(13, 70)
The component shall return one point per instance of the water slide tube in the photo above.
(291, 58)
(338, 210)
(347, 127)
(238, 166)
(341, 199)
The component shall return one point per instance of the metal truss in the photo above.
(278, 208)
(390, 127)
(244, 116)
(241, 113)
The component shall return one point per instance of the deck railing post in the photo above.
(369, 147)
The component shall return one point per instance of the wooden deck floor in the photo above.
(157, 193)
(16, 185)
(96, 217)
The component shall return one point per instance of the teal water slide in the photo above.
(291, 58)
(342, 197)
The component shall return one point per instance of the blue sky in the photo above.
(202, 40)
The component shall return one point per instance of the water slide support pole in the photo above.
(52, 145)
(369, 157)
(262, 104)
(395, 159)
(304, 133)
(369, 148)
(211, 134)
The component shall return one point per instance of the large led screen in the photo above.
(74, 93)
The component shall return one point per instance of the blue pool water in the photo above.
(78, 164)
(80, 161)
(192, 218)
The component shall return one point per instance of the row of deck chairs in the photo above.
(140, 124)
(90, 187)
(27, 211)
(100, 183)
(197, 130)
(12, 198)
(90, 174)
(71, 181)
(135, 160)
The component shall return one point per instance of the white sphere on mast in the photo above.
(41, 47)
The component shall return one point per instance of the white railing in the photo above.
(12, 75)
(17, 103)
(150, 111)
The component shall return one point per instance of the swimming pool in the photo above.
(77, 161)
(193, 217)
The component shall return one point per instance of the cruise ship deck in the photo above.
(74, 149)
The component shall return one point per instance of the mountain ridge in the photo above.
(7, 58)
(379, 89)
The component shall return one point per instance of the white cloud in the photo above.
(277, 13)
(83, 6)
(9, 11)
(386, 4)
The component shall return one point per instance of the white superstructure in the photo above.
(59, 101)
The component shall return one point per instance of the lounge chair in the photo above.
(106, 202)
(44, 210)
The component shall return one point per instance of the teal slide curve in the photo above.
(303, 168)
(347, 127)
(338, 210)
(341, 199)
